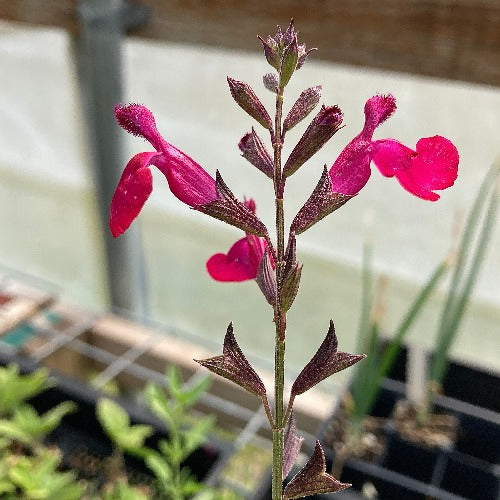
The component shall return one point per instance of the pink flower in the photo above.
(433, 165)
(242, 261)
(187, 180)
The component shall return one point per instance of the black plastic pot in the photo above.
(468, 470)
(81, 438)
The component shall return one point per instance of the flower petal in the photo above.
(235, 266)
(187, 180)
(241, 262)
(134, 188)
(433, 166)
(139, 121)
(351, 169)
(377, 110)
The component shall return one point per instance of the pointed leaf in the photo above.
(234, 366)
(228, 209)
(159, 404)
(324, 363)
(306, 102)
(191, 394)
(291, 447)
(322, 202)
(312, 478)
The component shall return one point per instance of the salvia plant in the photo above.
(432, 165)
(171, 405)
(28, 468)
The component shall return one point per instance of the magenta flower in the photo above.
(242, 261)
(433, 165)
(187, 180)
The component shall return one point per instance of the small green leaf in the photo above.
(116, 423)
(191, 395)
(159, 404)
(196, 435)
(16, 388)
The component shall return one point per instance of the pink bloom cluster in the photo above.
(433, 165)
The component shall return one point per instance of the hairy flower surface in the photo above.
(242, 261)
(187, 180)
(433, 165)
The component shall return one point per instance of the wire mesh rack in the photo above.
(106, 350)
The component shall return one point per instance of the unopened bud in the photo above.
(271, 51)
(246, 98)
(290, 286)
(254, 150)
(271, 82)
(317, 134)
(266, 279)
(306, 102)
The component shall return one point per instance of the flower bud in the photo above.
(290, 287)
(271, 51)
(317, 134)
(245, 97)
(271, 82)
(254, 150)
(266, 279)
(306, 102)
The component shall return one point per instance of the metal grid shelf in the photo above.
(103, 349)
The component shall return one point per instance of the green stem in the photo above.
(279, 316)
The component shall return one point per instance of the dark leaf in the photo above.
(324, 363)
(233, 366)
(322, 202)
(292, 446)
(228, 209)
(313, 479)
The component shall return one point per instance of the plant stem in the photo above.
(279, 316)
